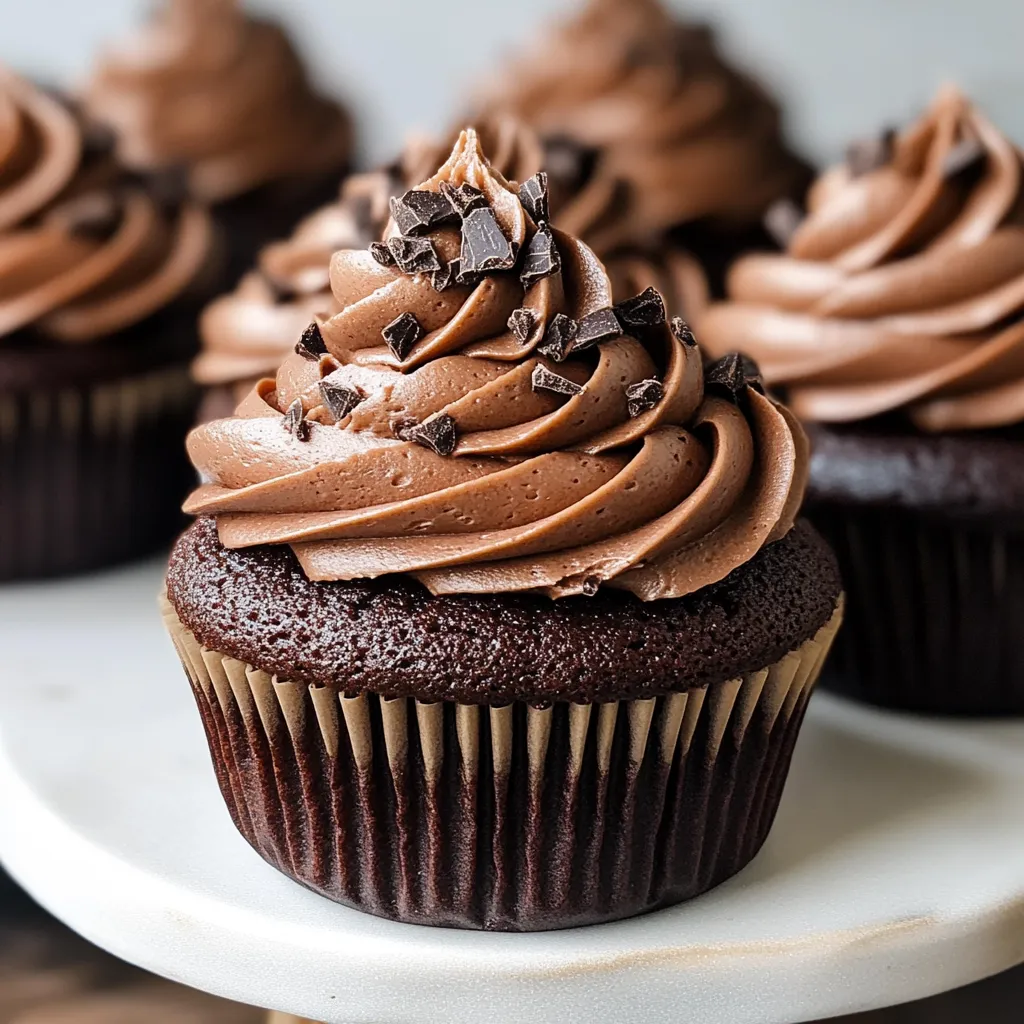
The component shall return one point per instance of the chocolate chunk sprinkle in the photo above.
(781, 221)
(522, 322)
(867, 155)
(484, 245)
(340, 399)
(295, 421)
(543, 379)
(643, 396)
(436, 433)
(644, 310)
(402, 333)
(966, 155)
(730, 376)
(595, 328)
(534, 195)
(558, 338)
(591, 585)
(420, 210)
(311, 344)
(414, 255)
(681, 329)
(447, 276)
(403, 426)
(542, 258)
(382, 254)
(464, 199)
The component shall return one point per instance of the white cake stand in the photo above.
(895, 870)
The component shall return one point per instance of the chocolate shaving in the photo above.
(965, 156)
(419, 210)
(781, 221)
(463, 199)
(403, 426)
(542, 258)
(597, 327)
(543, 379)
(522, 322)
(437, 433)
(591, 585)
(295, 421)
(401, 334)
(484, 246)
(644, 310)
(730, 376)
(444, 278)
(558, 338)
(340, 399)
(681, 329)
(414, 255)
(535, 197)
(311, 344)
(867, 155)
(382, 254)
(643, 396)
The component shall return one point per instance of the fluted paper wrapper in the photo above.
(92, 476)
(934, 613)
(510, 818)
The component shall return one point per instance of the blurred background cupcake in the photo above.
(221, 100)
(895, 324)
(101, 276)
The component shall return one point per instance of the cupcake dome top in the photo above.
(205, 89)
(85, 251)
(479, 414)
(659, 127)
(903, 289)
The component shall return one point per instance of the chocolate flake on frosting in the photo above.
(414, 255)
(443, 279)
(401, 334)
(522, 322)
(782, 219)
(681, 330)
(534, 195)
(643, 396)
(340, 399)
(419, 210)
(542, 258)
(311, 344)
(558, 338)
(382, 254)
(730, 376)
(437, 433)
(591, 585)
(484, 246)
(295, 421)
(644, 310)
(867, 155)
(464, 199)
(543, 379)
(595, 328)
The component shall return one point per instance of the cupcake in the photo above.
(100, 281)
(247, 333)
(222, 100)
(895, 325)
(497, 610)
(647, 120)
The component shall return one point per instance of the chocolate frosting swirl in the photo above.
(904, 287)
(204, 88)
(247, 333)
(477, 462)
(84, 251)
(676, 135)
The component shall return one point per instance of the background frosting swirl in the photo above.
(904, 287)
(204, 88)
(554, 489)
(84, 250)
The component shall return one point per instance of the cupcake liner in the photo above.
(513, 818)
(92, 476)
(935, 606)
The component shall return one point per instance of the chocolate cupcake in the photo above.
(895, 324)
(101, 278)
(497, 612)
(645, 117)
(222, 100)
(247, 333)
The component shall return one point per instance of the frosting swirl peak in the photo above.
(479, 414)
(903, 289)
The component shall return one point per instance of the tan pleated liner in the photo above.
(515, 817)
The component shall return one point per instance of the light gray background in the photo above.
(843, 67)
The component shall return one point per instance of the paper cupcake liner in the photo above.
(92, 476)
(510, 818)
(934, 611)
